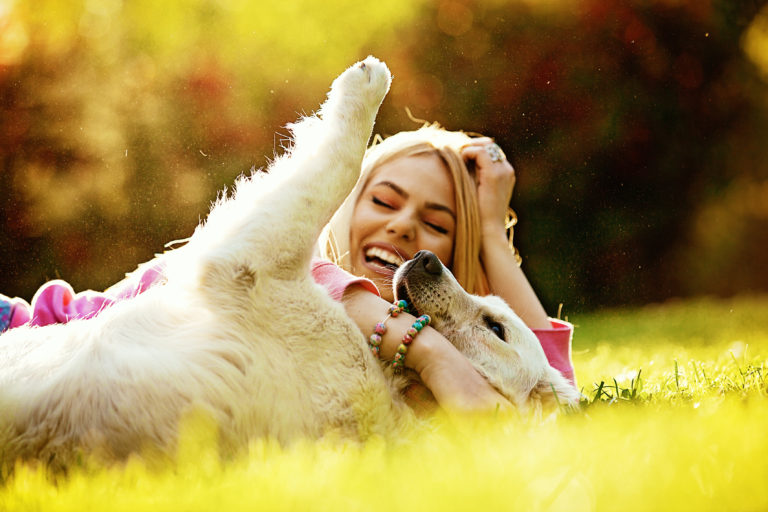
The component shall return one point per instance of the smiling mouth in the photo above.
(383, 258)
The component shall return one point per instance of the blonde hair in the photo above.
(430, 139)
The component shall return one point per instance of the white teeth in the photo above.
(384, 255)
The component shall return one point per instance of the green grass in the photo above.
(675, 419)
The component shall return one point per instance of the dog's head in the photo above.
(486, 330)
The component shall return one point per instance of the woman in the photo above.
(428, 189)
(447, 193)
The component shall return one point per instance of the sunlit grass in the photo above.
(689, 434)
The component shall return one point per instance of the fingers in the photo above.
(495, 180)
(486, 154)
(453, 380)
(474, 149)
(480, 141)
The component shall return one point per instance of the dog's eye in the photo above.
(495, 327)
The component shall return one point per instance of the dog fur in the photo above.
(497, 342)
(239, 330)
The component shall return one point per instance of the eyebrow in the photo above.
(402, 193)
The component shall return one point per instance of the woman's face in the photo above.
(407, 205)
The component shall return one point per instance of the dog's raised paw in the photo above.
(370, 77)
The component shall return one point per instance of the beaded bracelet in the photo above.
(374, 341)
(399, 360)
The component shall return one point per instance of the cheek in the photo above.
(443, 249)
(357, 226)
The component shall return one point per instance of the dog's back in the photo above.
(239, 329)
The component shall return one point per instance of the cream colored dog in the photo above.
(240, 329)
(497, 342)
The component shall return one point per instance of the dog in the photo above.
(497, 342)
(240, 330)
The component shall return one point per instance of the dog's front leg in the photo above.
(273, 219)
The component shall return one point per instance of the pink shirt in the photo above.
(56, 302)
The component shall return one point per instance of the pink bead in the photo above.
(407, 339)
(375, 351)
(380, 328)
(375, 339)
(412, 331)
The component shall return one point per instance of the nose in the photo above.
(402, 226)
(430, 262)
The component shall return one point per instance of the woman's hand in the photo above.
(449, 375)
(451, 378)
(495, 179)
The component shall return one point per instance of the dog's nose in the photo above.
(431, 262)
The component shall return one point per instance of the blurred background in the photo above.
(638, 129)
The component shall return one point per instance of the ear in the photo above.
(553, 389)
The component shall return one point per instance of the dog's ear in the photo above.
(553, 391)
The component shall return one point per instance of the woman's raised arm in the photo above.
(495, 178)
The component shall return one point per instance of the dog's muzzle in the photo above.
(429, 262)
(424, 267)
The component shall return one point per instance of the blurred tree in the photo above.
(119, 122)
(626, 121)
(637, 128)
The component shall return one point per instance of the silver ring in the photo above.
(495, 152)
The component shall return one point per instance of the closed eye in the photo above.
(495, 327)
(437, 228)
(379, 202)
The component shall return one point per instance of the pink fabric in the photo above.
(148, 275)
(57, 303)
(336, 280)
(19, 313)
(556, 343)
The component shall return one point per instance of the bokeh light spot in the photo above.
(454, 18)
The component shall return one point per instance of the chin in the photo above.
(383, 283)
(386, 292)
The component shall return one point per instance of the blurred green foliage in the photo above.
(637, 128)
